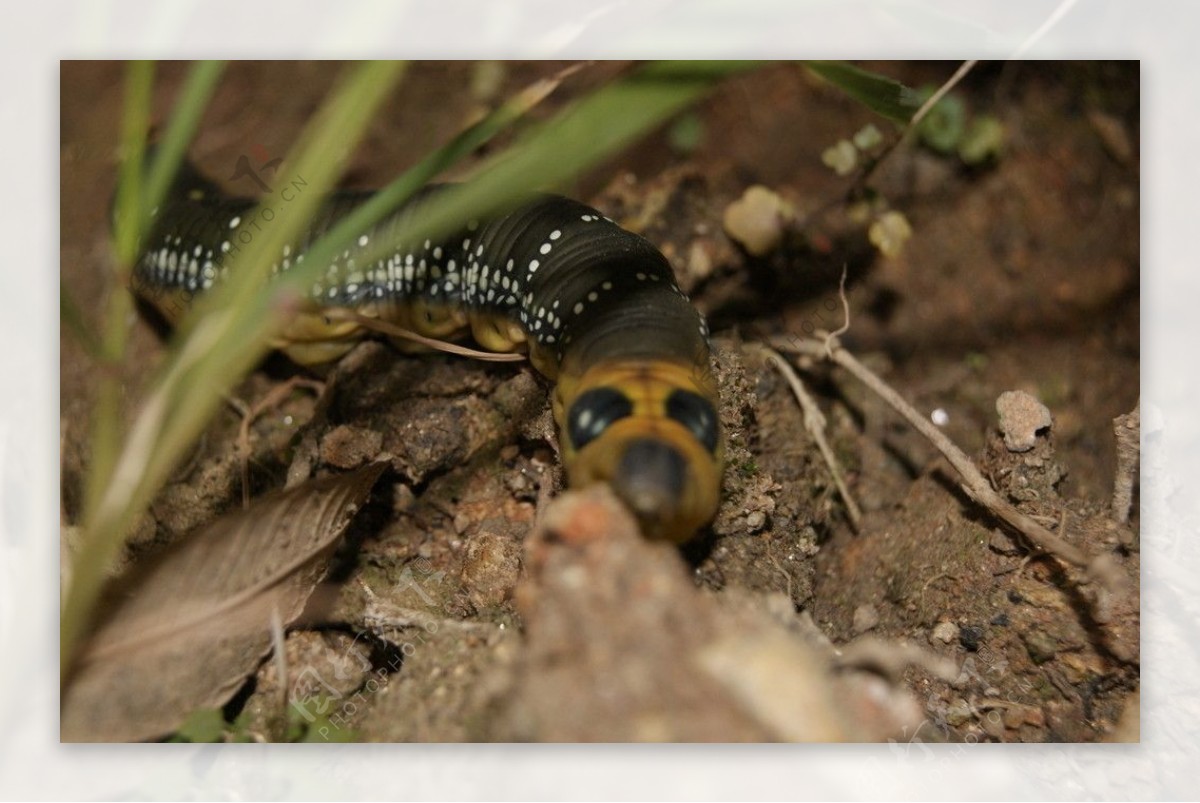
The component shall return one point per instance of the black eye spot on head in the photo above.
(697, 414)
(593, 412)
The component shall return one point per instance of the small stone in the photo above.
(969, 637)
(757, 219)
(490, 569)
(993, 724)
(944, 632)
(756, 520)
(349, 447)
(958, 712)
(1014, 717)
(1021, 418)
(890, 232)
(841, 157)
(1040, 646)
(1002, 543)
(866, 617)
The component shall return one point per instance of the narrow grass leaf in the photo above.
(880, 94)
(213, 351)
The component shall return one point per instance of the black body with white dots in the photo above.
(596, 306)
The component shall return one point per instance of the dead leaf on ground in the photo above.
(182, 631)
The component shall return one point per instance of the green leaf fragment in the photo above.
(943, 127)
(882, 95)
(202, 725)
(983, 140)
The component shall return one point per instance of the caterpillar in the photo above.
(595, 306)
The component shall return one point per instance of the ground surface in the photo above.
(451, 620)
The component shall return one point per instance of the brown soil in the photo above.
(1021, 274)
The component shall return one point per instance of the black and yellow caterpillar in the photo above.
(596, 306)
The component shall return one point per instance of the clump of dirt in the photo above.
(453, 614)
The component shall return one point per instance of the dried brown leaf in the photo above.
(182, 631)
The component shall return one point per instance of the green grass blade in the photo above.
(106, 412)
(882, 95)
(216, 352)
(134, 123)
(193, 100)
(551, 154)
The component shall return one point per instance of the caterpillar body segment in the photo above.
(596, 307)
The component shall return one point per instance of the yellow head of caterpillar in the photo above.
(649, 429)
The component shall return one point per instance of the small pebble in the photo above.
(755, 520)
(757, 219)
(1021, 418)
(348, 447)
(1040, 646)
(866, 617)
(944, 632)
(969, 637)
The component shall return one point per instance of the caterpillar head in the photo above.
(649, 429)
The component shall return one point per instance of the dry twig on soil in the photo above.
(1100, 568)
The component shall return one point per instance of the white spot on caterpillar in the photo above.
(592, 296)
(534, 265)
(578, 307)
(287, 250)
(607, 285)
(363, 240)
(641, 277)
(545, 249)
(233, 224)
(554, 235)
(198, 250)
(225, 247)
(437, 252)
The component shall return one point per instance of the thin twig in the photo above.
(942, 91)
(1128, 431)
(831, 338)
(972, 481)
(279, 642)
(814, 424)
